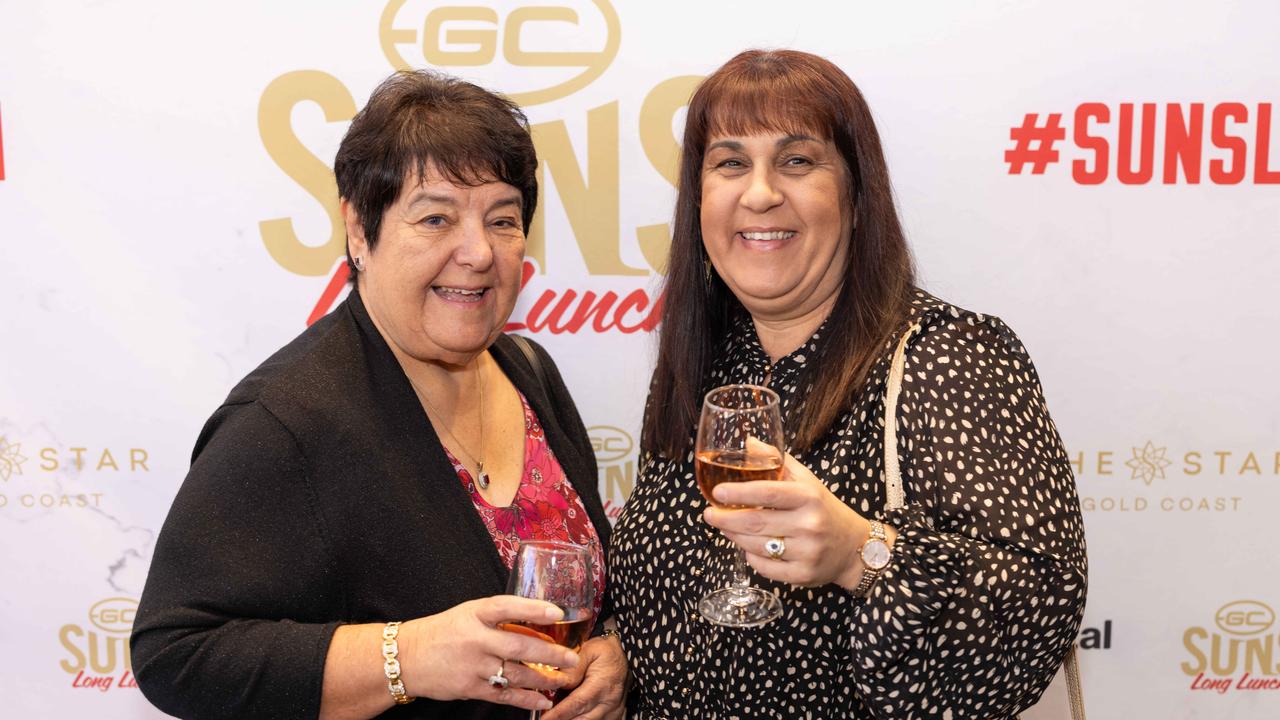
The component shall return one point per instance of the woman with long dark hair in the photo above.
(957, 595)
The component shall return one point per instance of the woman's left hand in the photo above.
(822, 535)
(597, 683)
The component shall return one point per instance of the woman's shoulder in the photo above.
(329, 379)
(945, 327)
(316, 369)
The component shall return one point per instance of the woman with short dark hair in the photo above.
(342, 542)
(955, 595)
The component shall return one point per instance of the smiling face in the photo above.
(445, 272)
(776, 221)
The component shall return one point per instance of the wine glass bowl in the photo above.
(739, 440)
(558, 573)
(714, 467)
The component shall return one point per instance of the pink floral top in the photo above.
(546, 507)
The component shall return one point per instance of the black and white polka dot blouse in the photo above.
(986, 588)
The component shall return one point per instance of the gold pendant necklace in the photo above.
(482, 478)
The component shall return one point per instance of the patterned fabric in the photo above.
(546, 507)
(986, 588)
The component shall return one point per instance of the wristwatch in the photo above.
(876, 555)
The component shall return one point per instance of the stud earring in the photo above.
(358, 261)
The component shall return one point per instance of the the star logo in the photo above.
(1148, 463)
(11, 458)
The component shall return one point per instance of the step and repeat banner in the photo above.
(1104, 176)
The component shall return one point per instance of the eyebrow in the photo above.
(424, 197)
(728, 144)
(796, 138)
(782, 142)
(512, 200)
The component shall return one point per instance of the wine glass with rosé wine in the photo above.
(739, 440)
(559, 573)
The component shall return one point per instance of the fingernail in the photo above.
(554, 613)
(544, 704)
(571, 661)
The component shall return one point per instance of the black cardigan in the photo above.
(320, 495)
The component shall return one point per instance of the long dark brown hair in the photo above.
(790, 92)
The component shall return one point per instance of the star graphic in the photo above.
(1148, 463)
(11, 459)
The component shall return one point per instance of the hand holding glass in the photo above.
(739, 440)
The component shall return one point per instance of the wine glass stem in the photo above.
(740, 579)
(535, 715)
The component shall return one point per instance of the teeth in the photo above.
(460, 291)
(776, 235)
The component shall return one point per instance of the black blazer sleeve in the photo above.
(242, 535)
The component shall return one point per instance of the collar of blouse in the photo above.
(743, 359)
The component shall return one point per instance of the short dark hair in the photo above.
(780, 91)
(417, 118)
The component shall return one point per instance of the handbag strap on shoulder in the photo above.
(526, 348)
(894, 497)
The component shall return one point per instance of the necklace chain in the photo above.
(482, 478)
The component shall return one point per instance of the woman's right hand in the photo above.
(451, 655)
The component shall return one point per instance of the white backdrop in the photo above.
(148, 151)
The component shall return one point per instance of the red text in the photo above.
(1137, 160)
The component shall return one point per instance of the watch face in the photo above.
(875, 554)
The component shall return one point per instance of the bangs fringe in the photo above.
(794, 104)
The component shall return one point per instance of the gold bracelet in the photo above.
(391, 663)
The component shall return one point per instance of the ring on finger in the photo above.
(497, 679)
(775, 548)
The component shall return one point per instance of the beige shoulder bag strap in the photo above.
(895, 498)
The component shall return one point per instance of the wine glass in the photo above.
(739, 439)
(559, 573)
